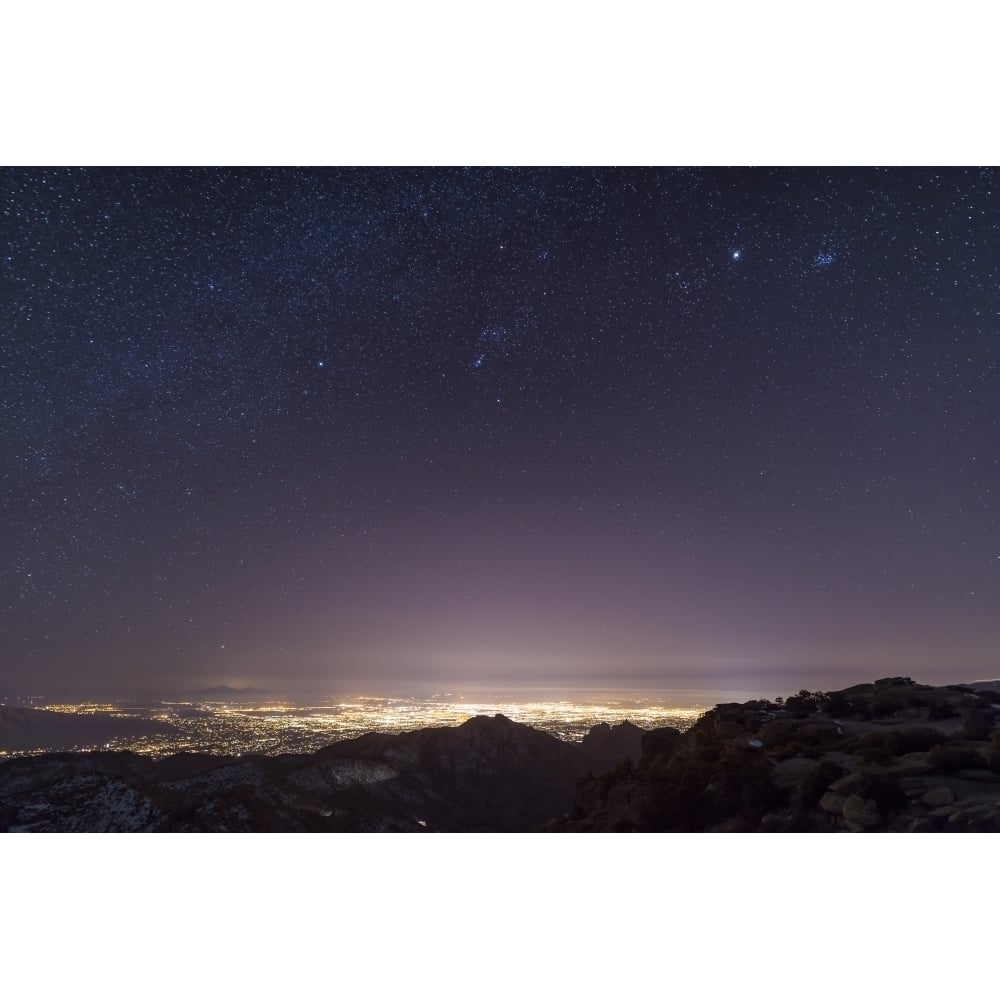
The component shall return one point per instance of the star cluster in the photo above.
(515, 426)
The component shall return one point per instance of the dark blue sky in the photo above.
(384, 429)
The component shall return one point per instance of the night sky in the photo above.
(391, 430)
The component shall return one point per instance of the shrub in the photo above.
(805, 703)
(837, 705)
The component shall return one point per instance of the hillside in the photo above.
(487, 774)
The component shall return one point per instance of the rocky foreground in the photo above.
(888, 756)
(893, 756)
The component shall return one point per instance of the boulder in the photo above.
(861, 814)
(792, 772)
(941, 795)
(833, 803)
(912, 765)
(983, 817)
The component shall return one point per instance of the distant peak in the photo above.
(227, 691)
(489, 720)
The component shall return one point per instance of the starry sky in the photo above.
(399, 429)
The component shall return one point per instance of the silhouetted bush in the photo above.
(805, 703)
(837, 705)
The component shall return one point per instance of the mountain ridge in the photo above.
(489, 773)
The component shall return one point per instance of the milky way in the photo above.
(381, 428)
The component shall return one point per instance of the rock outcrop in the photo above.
(889, 756)
(605, 746)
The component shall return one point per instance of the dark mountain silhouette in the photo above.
(227, 692)
(604, 746)
(487, 774)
